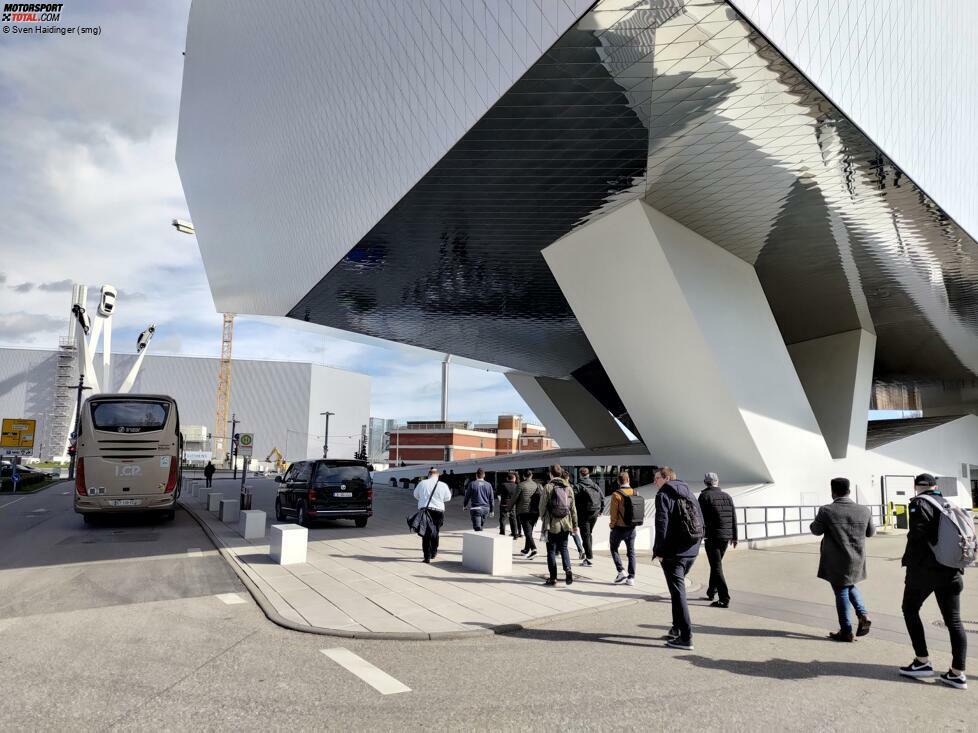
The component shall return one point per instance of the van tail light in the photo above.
(171, 479)
(311, 495)
(80, 477)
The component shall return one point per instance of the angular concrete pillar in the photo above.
(683, 329)
(572, 415)
(837, 374)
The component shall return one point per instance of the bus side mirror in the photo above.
(279, 480)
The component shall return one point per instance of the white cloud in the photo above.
(90, 187)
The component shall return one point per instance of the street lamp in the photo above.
(326, 436)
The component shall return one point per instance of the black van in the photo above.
(325, 489)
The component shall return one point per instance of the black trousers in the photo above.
(675, 569)
(947, 591)
(429, 543)
(208, 480)
(715, 550)
(587, 527)
(507, 516)
(527, 522)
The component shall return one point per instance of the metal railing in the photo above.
(768, 522)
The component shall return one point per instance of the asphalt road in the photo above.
(99, 633)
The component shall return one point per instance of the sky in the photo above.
(89, 188)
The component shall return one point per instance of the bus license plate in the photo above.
(125, 502)
(343, 494)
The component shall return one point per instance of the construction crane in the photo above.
(223, 390)
(279, 460)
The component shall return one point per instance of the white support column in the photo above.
(684, 331)
(837, 374)
(107, 355)
(572, 415)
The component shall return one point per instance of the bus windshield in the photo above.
(137, 416)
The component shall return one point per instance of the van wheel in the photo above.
(300, 514)
(361, 523)
(279, 514)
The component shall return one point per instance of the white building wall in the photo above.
(346, 394)
(388, 87)
(903, 71)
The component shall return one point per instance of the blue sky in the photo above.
(90, 188)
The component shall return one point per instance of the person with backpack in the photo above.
(844, 526)
(720, 530)
(478, 499)
(576, 535)
(589, 500)
(678, 533)
(508, 492)
(559, 517)
(940, 544)
(528, 511)
(627, 513)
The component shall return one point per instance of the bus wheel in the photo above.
(169, 516)
(89, 519)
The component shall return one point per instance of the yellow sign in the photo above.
(17, 433)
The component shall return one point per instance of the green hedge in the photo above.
(27, 480)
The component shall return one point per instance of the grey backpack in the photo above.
(956, 545)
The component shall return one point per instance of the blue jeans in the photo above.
(844, 596)
(478, 514)
(626, 535)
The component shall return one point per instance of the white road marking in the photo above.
(194, 552)
(40, 511)
(12, 502)
(65, 493)
(6, 623)
(231, 598)
(376, 678)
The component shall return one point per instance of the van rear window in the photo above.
(129, 417)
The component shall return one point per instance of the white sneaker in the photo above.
(629, 581)
(622, 577)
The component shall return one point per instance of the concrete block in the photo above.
(202, 496)
(487, 552)
(287, 544)
(194, 488)
(251, 524)
(229, 510)
(214, 501)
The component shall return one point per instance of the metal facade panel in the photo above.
(323, 114)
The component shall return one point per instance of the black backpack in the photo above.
(687, 521)
(632, 509)
(588, 498)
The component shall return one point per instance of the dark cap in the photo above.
(925, 479)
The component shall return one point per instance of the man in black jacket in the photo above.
(676, 510)
(589, 499)
(507, 492)
(720, 525)
(925, 576)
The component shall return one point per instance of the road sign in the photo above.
(246, 442)
(17, 437)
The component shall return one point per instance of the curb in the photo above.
(276, 618)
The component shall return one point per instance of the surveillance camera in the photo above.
(107, 301)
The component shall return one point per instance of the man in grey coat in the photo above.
(844, 526)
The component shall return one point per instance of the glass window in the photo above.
(303, 472)
(130, 417)
(341, 474)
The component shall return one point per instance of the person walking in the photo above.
(844, 526)
(508, 492)
(433, 494)
(720, 530)
(678, 534)
(576, 534)
(623, 528)
(528, 511)
(209, 474)
(558, 515)
(479, 498)
(925, 575)
(589, 499)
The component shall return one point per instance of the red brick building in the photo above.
(429, 442)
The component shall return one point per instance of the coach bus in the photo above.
(128, 455)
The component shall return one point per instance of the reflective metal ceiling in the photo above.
(684, 105)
